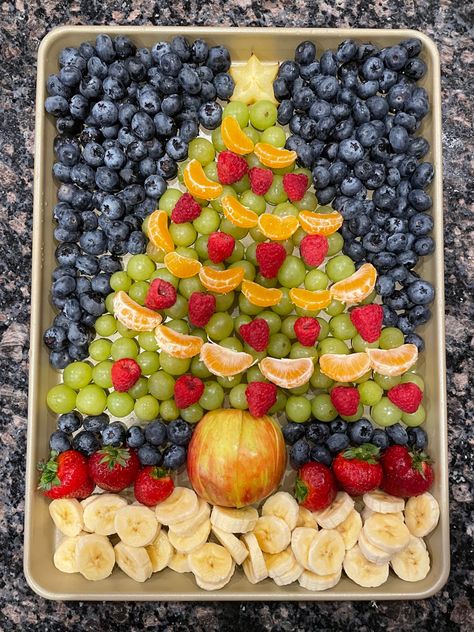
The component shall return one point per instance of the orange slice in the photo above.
(278, 228)
(224, 362)
(198, 184)
(357, 286)
(259, 295)
(287, 373)
(175, 344)
(320, 223)
(393, 361)
(158, 233)
(311, 300)
(221, 281)
(342, 367)
(134, 316)
(182, 267)
(234, 138)
(237, 213)
(274, 157)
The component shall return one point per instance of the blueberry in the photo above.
(325, 195)
(329, 63)
(412, 46)
(124, 47)
(360, 225)
(177, 148)
(59, 441)
(361, 432)
(166, 167)
(136, 243)
(367, 89)
(384, 260)
(380, 439)
(321, 177)
(105, 112)
(418, 147)
(405, 325)
(321, 454)
(56, 105)
(114, 434)
(396, 57)
(417, 438)
(292, 432)
(59, 359)
(338, 426)
(55, 87)
(118, 70)
(310, 70)
(415, 68)
(69, 422)
(305, 53)
(337, 442)
(374, 241)
(93, 303)
(299, 453)
(419, 315)
(424, 246)
(350, 186)
(288, 71)
(398, 273)
(113, 88)
(387, 80)
(149, 455)
(86, 442)
(72, 309)
(399, 139)
(210, 114)
(106, 179)
(105, 48)
(93, 242)
(416, 340)
(355, 251)
(78, 352)
(346, 51)
(164, 125)
(189, 80)
(96, 423)
(397, 434)
(317, 432)
(174, 457)
(179, 432)
(337, 172)
(135, 437)
(143, 126)
(384, 285)
(218, 59)
(199, 51)
(280, 89)
(350, 151)
(407, 167)
(328, 88)
(83, 286)
(63, 287)
(155, 433)
(420, 200)
(114, 158)
(421, 292)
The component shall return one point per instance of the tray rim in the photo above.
(36, 334)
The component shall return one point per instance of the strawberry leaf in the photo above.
(366, 452)
(301, 490)
(114, 456)
(159, 472)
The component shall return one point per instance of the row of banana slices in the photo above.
(285, 542)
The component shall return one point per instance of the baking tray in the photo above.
(269, 44)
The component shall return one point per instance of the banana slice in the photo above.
(160, 552)
(179, 563)
(311, 581)
(279, 563)
(189, 526)
(211, 563)
(234, 520)
(95, 557)
(290, 576)
(381, 502)
(350, 529)
(363, 572)
(254, 566)
(386, 532)
(284, 506)
(67, 515)
(134, 561)
(99, 515)
(187, 543)
(301, 541)
(65, 555)
(326, 553)
(214, 585)
(84, 503)
(373, 553)
(136, 525)
(421, 514)
(336, 513)
(180, 505)
(306, 518)
(413, 563)
(367, 512)
(272, 533)
(235, 547)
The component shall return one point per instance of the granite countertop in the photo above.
(23, 25)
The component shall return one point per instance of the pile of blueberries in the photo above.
(124, 117)
(319, 441)
(156, 443)
(353, 115)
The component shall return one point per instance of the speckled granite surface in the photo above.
(22, 25)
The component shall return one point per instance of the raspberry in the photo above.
(185, 210)
(125, 372)
(295, 185)
(220, 246)
(406, 396)
(261, 396)
(270, 257)
(187, 390)
(313, 249)
(260, 180)
(368, 321)
(345, 400)
(307, 330)
(200, 308)
(230, 167)
(161, 295)
(256, 334)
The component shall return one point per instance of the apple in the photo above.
(234, 459)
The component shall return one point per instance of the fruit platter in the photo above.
(237, 382)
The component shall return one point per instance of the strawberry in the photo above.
(313, 249)
(368, 320)
(220, 246)
(161, 295)
(406, 396)
(153, 485)
(230, 167)
(65, 475)
(345, 400)
(406, 473)
(200, 308)
(270, 256)
(295, 185)
(307, 330)
(358, 469)
(256, 334)
(125, 373)
(261, 396)
(187, 390)
(185, 210)
(114, 469)
(315, 487)
(260, 180)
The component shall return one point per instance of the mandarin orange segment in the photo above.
(310, 300)
(278, 228)
(158, 233)
(221, 281)
(234, 138)
(320, 223)
(237, 213)
(274, 157)
(259, 295)
(134, 316)
(342, 367)
(287, 373)
(224, 362)
(175, 344)
(181, 266)
(198, 184)
(357, 286)
(393, 361)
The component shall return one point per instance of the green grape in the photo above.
(237, 397)
(237, 110)
(242, 185)
(274, 136)
(139, 389)
(316, 280)
(213, 396)
(364, 378)
(120, 281)
(416, 418)
(192, 414)
(341, 327)
(100, 349)
(91, 400)
(237, 254)
(298, 408)
(224, 301)
(211, 172)
(77, 375)
(138, 291)
(181, 326)
(188, 286)
(359, 413)
(230, 382)
(288, 246)
(105, 325)
(125, 332)
(101, 374)
(276, 194)
(163, 273)
(257, 235)
(183, 234)
(284, 170)
(253, 161)
(201, 247)
(285, 306)
(322, 408)
(288, 327)
(147, 341)
(332, 345)
(174, 366)
(272, 319)
(169, 410)
(251, 253)
(300, 351)
(232, 343)
(228, 227)
(252, 133)
(61, 399)
(298, 236)
(202, 150)
(156, 254)
(284, 209)
(278, 346)
(217, 202)
(320, 381)
(249, 269)
(254, 202)
(187, 252)
(220, 326)
(370, 298)
(199, 369)
(255, 375)
(370, 393)
(308, 202)
(241, 319)
(109, 302)
(263, 114)
(305, 172)
(324, 331)
(124, 348)
(339, 268)
(214, 266)
(413, 377)
(335, 243)
(292, 272)
(386, 381)
(181, 167)
(246, 306)
(280, 403)
(179, 309)
(390, 338)
(384, 413)
(266, 282)
(360, 345)
(199, 333)
(217, 141)
(149, 362)
(146, 408)
(300, 390)
(334, 308)
(140, 267)
(306, 312)
(161, 385)
(169, 198)
(258, 355)
(208, 222)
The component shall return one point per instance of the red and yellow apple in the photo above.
(234, 459)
